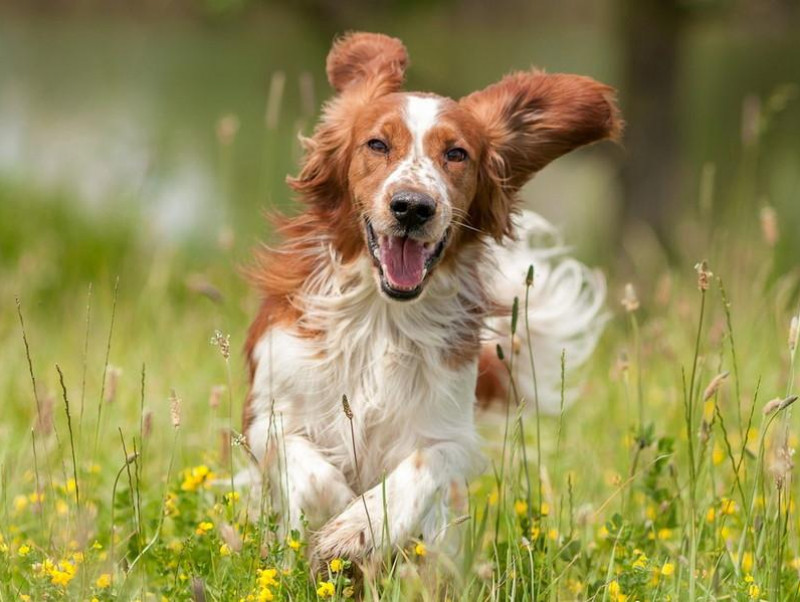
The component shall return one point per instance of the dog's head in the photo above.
(417, 174)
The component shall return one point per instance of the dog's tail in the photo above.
(565, 314)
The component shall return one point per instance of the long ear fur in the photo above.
(529, 119)
(361, 67)
(371, 58)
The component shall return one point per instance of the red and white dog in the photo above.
(392, 287)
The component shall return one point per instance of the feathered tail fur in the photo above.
(565, 312)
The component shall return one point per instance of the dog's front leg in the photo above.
(396, 509)
(307, 482)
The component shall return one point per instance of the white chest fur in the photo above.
(388, 358)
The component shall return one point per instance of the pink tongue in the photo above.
(403, 261)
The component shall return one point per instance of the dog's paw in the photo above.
(349, 535)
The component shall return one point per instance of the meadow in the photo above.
(671, 477)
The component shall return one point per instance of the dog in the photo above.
(384, 304)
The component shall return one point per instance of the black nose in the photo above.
(412, 209)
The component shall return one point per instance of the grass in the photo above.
(119, 438)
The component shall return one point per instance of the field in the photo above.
(671, 477)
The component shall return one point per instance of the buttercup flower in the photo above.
(326, 590)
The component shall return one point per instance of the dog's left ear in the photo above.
(528, 119)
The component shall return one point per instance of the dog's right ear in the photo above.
(361, 67)
(373, 60)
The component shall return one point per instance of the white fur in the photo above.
(412, 410)
(417, 168)
(565, 311)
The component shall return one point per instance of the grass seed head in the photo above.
(223, 341)
(793, 328)
(769, 225)
(44, 422)
(704, 275)
(147, 424)
(215, 398)
(112, 380)
(346, 407)
(714, 385)
(227, 128)
(175, 409)
(629, 299)
(772, 405)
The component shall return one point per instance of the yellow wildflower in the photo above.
(615, 592)
(641, 561)
(103, 581)
(753, 591)
(420, 549)
(293, 543)
(544, 509)
(197, 477)
(494, 497)
(25, 598)
(24, 550)
(747, 562)
(728, 506)
(225, 550)
(535, 532)
(62, 574)
(204, 527)
(337, 564)
(664, 534)
(265, 595)
(668, 569)
(521, 507)
(717, 456)
(71, 486)
(97, 545)
(62, 508)
(232, 497)
(711, 514)
(20, 503)
(326, 590)
(266, 577)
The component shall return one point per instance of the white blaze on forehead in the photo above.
(417, 169)
(420, 116)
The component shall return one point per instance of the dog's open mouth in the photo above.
(403, 262)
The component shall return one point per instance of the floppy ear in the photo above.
(529, 119)
(372, 59)
(360, 67)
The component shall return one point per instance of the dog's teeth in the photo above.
(424, 273)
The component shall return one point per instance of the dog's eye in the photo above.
(379, 146)
(456, 155)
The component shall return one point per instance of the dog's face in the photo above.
(419, 175)
(413, 174)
